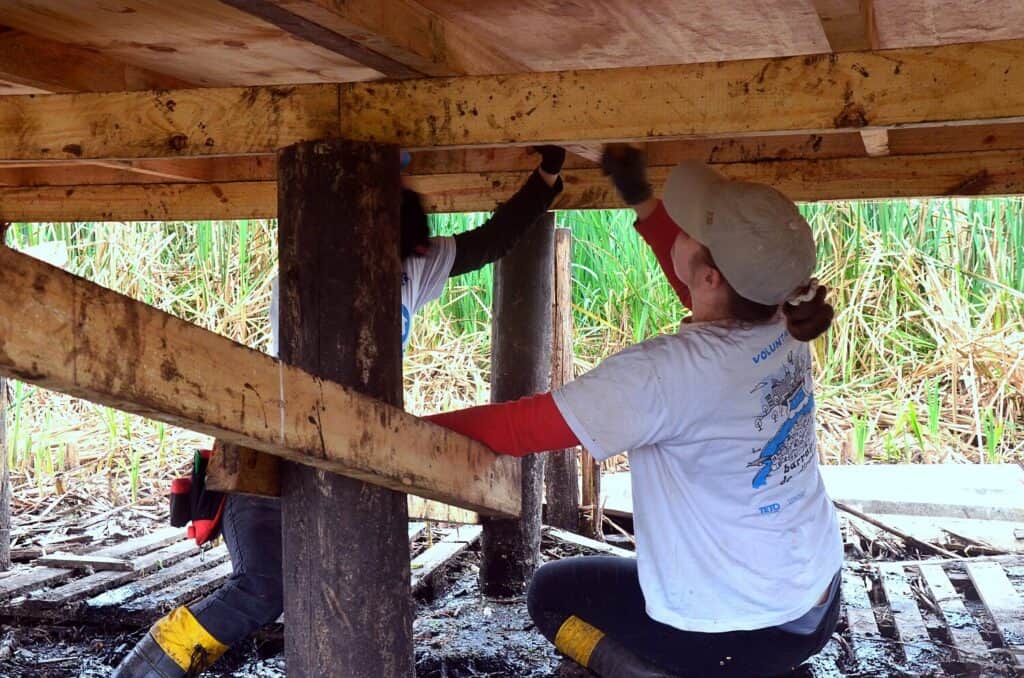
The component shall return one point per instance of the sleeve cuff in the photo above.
(593, 448)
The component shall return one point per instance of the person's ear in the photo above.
(713, 277)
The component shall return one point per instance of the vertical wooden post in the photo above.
(591, 518)
(561, 474)
(5, 481)
(520, 366)
(346, 552)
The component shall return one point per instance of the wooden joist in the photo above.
(966, 640)
(860, 618)
(918, 86)
(70, 335)
(953, 174)
(1004, 604)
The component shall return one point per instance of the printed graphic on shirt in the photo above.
(787, 402)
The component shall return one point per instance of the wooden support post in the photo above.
(561, 473)
(520, 366)
(5, 482)
(592, 518)
(346, 546)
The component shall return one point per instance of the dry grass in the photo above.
(925, 362)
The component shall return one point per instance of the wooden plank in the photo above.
(201, 40)
(84, 587)
(85, 560)
(1002, 602)
(860, 618)
(961, 174)
(51, 66)
(920, 652)
(193, 122)
(425, 509)
(425, 565)
(145, 609)
(924, 86)
(797, 94)
(588, 543)
(67, 334)
(47, 576)
(168, 574)
(966, 640)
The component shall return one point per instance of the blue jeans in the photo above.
(253, 597)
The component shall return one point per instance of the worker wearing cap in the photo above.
(738, 546)
(193, 637)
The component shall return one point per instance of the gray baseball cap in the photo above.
(759, 240)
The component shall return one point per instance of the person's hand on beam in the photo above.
(627, 167)
(551, 160)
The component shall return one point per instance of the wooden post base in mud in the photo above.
(346, 546)
(520, 366)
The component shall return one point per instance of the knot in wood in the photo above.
(178, 142)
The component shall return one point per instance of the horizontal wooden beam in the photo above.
(950, 174)
(69, 335)
(963, 83)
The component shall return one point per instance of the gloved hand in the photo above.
(627, 166)
(551, 158)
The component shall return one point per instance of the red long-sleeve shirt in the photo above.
(534, 424)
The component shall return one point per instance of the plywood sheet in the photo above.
(906, 23)
(202, 41)
(548, 36)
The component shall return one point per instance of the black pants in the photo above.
(604, 591)
(253, 596)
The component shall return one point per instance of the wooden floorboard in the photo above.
(1002, 602)
(917, 645)
(167, 576)
(433, 559)
(147, 608)
(966, 640)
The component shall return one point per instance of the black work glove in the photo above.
(627, 166)
(551, 158)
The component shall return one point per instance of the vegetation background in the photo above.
(925, 362)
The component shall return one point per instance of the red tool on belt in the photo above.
(192, 502)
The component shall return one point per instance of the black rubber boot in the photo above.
(148, 660)
(611, 659)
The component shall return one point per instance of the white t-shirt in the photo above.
(734, 529)
(423, 279)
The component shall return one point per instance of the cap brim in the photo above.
(687, 196)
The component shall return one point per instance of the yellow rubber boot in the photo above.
(589, 647)
(176, 646)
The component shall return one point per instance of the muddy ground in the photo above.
(458, 634)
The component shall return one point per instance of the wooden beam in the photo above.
(965, 83)
(403, 31)
(309, 31)
(950, 174)
(69, 335)
(51, 66)
(849, 25)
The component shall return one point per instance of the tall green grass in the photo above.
(923, 363)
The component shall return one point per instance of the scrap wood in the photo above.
(431, 560)
(618, 529)
(979, 546)
(927, 546)
(94, 562)
(586, 542)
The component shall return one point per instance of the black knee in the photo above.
(545, 599)
(264, 596)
